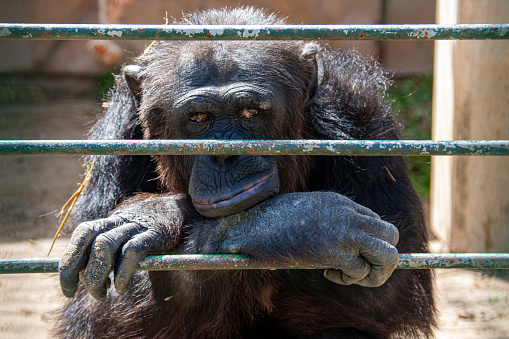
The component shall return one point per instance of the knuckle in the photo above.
(65, 267)
(386, 231)
(84, 229)
(335, 199)
(92, 227)
(69, 263)
(392, 256)
(395, 235)
(102, 244)
(380, 226)
(131, 252)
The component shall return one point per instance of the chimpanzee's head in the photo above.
(226, 90)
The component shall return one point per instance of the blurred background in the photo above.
(53, 89)
(73, 57)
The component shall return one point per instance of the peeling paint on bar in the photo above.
(5, 32)
(256, 147)
(454, 260)
(238, 262)
(253, 32)
(504, 30)
(425, 33)
(115, 33)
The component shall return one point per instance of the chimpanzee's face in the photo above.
(230, 90)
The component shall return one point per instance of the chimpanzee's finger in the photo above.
(374, 257)
(371, 267)
(383, 259)
(341, 202)
(349, 270)
(102, 258)
(133, 252)
(74, 258)
(377, 228)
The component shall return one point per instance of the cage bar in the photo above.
(252, 32)
(238, 262)
(255, 147)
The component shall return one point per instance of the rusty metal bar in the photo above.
(236, 262)
(261, 147)
(252, 32)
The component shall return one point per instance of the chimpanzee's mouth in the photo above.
(243, 198)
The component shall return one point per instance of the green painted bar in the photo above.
(236, 262)
(253, 147)
(252, 32)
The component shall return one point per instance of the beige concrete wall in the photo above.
(470, 195)
(408, 57)
(72, 57)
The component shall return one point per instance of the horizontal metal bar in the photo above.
(255, 147)
(252, 32)
(237, 262)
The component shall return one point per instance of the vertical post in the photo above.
(441, 218)
(470, 195)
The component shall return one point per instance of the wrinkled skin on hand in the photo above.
(119, 243)
(317, 228)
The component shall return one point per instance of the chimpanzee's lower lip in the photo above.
(236, 202)
(249, 188)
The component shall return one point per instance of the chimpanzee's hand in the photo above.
(146, 224)
(318, 228)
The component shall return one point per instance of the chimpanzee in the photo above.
(352, 214)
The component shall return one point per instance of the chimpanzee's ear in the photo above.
(309, 53)
(132, 76)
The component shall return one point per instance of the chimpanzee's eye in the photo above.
(249, 113)
(199, 117)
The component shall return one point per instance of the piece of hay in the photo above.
(72, 200)
(153, 42)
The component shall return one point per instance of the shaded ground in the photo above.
(471, 303)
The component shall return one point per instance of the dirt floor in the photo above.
(472, 304)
